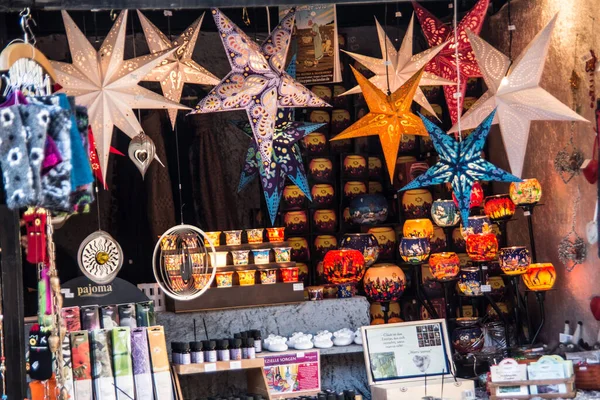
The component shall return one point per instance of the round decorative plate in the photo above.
(100, 257)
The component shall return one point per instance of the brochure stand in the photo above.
(411, 360)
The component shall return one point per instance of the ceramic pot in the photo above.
(276, 234)
(355, 166)
(418, 228)
(386, 237)
(340, 120)
(468, 339)
(325, 220)
(343, 266)
(218, 258)
(247, 278)
(514, 260)
(322, 194)
(282, 254)
(414, 250)
(384, 282)
(214, 237)
(315, 143)
(321, 169)
(224, 279)
(299, 247)
(261, 256)
(525, 193)
(444, 266)
(315, 293)
(445, 213)
(499, 207)
(323, 244)
(416, 203)
(268, 276)
(233, 238)
(353, 189)
(293, 197)
(240, 257)
(321, 117)
(369, 209)
(296, 221)
(363, 242)
(438, 241)
(375, 167)
(469, 282)
(324, 92)
(539, 277)
(289, 275)
(255, 236)
(482, 247)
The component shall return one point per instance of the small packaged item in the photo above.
(109, 317)
(142, 372)
(90, 318)
(127, 315)
(71, 317)
(159, 360)
(82, 365)
(121, 345)
(144, 313)
(102, 371)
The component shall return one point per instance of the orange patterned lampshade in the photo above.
(540, 277)
(482, 246)
(524, 193)
(444, 266)
(418, 228)
(343, 266)
(499, 207)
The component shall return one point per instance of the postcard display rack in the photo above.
(412, 360)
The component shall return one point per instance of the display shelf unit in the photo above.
(254, 370)
(250, 267)
(569, 382)
(252, 246)
(350, 349)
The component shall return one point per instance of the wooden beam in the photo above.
(11, 268)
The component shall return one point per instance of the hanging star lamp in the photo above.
(397, 66)
(179, 68)
(444, 63)
(107, 84)
(460, 164)
(514, 90)
(257, 82)
(389, 117)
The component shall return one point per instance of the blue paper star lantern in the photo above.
(460, 163)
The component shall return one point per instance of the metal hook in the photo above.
(26, 18)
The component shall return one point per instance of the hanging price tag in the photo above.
(298, 287)
(484, 267)
(512, 28)
(235, 365)
(527, 213)
(486, 288)
(210, 367)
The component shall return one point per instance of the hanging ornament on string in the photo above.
(572, 250)
(100, 257)
(179, 68)
(390, 117)
(142, 151)
(513, 89)
(460, 164)
(107, 84)
(257, 82)
(397, 66)
(94, 161)
(445, 64)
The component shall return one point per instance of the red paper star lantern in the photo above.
(443, 64)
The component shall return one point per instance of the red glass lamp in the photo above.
(499, 207)
(343, 266)
(482, 247)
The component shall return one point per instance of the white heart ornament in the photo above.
(141, 151)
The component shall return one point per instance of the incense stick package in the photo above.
(121, 344)
(159, 360)
(90, 318)
(144, 313)
(68, 366)
(109, 317)
(102, 372)
(82, 365)
(71, 317)
(142, 372)
(127, 315)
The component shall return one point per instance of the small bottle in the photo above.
(224, 350)
(250, 350)
(235, 349)
(197, 355)
(175, 353)
(210, 353)
(185, 356)
(244, 348)
(578, 332)
(257, 340)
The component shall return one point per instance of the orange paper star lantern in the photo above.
(389, 117)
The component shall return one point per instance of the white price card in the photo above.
(210, 367)
(235, 365)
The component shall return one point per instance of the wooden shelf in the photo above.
(250, 267)
(350, 349)
(191, 369)
(253, 246)
(569, 382)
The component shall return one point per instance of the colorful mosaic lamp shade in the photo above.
(418, 228)
(475, 225)
(514, 260)
(540, 277)
(444, 266)
(366, 243)
(384, 282)
(445, 213)
(343, 266)
(414, 250)
(482, 247)
(526, 193)
(499, 207)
